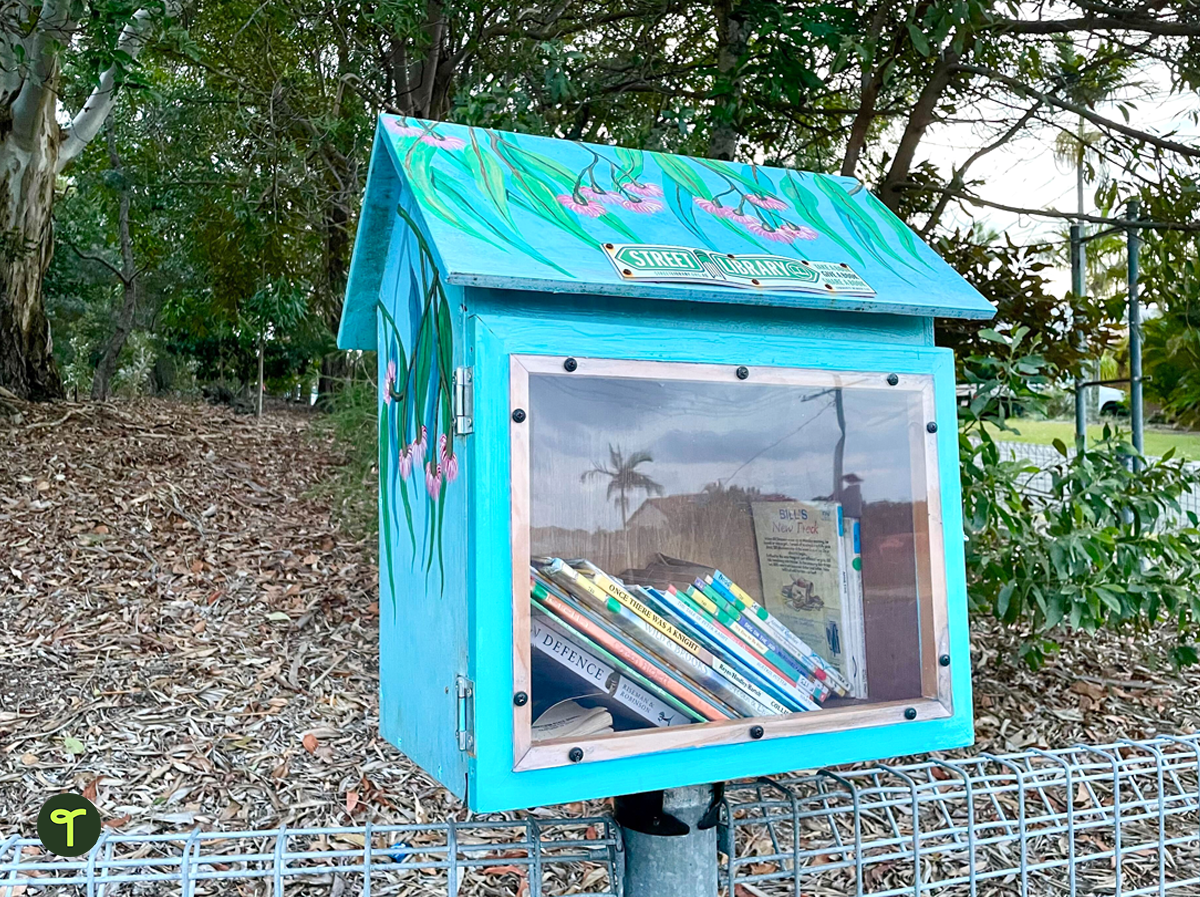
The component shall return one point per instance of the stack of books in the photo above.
(667, 657)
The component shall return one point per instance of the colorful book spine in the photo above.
(736, 651)
(855, 623)
(570, 652)
(607, 641)
(748, 628)
(708, 678)
(726, 669)
(688, 656)
(730, 617)
(605, 621)
(794, 645)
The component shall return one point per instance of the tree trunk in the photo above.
(731, 49)
(919, 120)
(29, 146)
(102, 377)
(259, 397)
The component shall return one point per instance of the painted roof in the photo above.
(516, 211)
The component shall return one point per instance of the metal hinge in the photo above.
(464, 401)
(464, 727)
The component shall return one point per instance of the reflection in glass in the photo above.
(712, 532)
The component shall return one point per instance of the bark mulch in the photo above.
(188, 636)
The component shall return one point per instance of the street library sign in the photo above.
(668, 468)
(667, 264)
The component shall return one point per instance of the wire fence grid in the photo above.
(1045, 456)
(1120, 819)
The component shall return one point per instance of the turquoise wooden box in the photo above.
(589, 348)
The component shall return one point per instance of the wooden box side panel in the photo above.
(423, 482)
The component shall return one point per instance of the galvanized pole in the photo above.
(1136, 410)
(670, 840)
(1078, 288)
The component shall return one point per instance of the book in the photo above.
(800, 551)
(555, 644)
(856, 636)
(605, 639)
(796, 647)
(654, 629)
(544, 588)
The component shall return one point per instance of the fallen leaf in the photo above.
(310, 742)
(89, 790)
(351, 801)
(73, 745)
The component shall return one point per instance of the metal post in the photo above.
(1136, 411)
(1078, 287)
(670, 847)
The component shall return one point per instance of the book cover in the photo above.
(856, 636)
(651, 671)
(554, 643)
(799, 551)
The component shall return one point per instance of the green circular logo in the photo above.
(69, 825)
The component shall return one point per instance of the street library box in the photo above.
(668, 468)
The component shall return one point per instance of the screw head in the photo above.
(575, 754)
(931, 427)
(944, 660)
(520, 699)
(910, 713)
(570, 365)
(519, 415)
(743, 372)
(756, 732)
(892, 379)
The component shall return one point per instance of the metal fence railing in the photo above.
(1045, 456)
(1119, 819)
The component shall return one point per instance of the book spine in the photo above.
(856, 637)
(623, 632)
(557, 645)
(612, 659)
(795, 645)
(732, 640)
(643, 666)
(701, 627)
(706, 677)
(731, 617)
(807, 676)
(736, 652)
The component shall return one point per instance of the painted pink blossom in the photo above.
(642, 206)
(433, 479)
(747, 220)
(418, 448)
(770, 233)
(389, 382)
(406, 462)
(451, 468)
(714, 207)
(590, 208)
(441, 142)
(402, 130)
(446, 458)
(765, 202)
(800, 231)
(644, 189)
(598, 195)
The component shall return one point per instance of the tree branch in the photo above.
(1185, 226)
(89, 257)
(90, 119)
(1099, 120)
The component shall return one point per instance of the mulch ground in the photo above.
(188, 635)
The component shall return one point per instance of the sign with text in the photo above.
(681, 264)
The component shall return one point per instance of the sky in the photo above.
(1025, 172)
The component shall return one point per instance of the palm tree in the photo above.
(624, 478)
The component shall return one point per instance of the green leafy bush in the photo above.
(1095, 544)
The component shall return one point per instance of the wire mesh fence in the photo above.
(1045, 456)
(1119, 819)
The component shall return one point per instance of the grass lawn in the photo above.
(1158, 439)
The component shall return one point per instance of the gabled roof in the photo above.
(516, 211)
